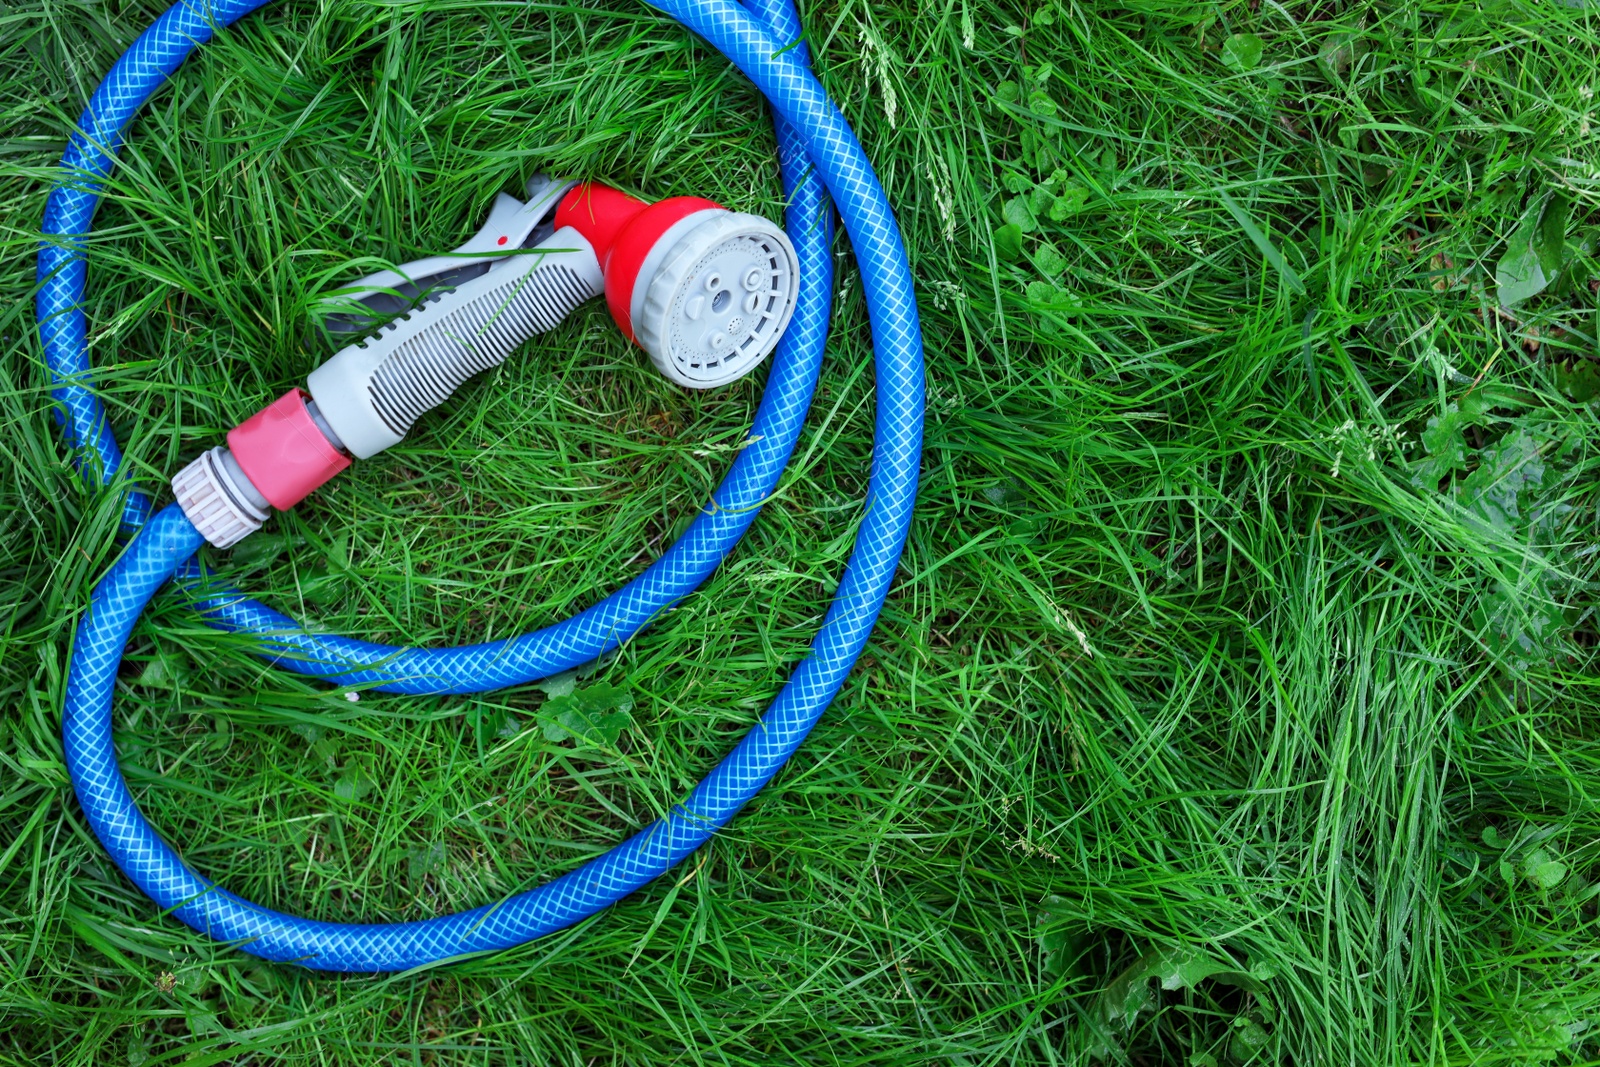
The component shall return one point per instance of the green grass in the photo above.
(1236, 703)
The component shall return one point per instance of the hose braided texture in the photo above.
(816, 149)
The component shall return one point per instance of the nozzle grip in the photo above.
(372, 392)
(512, 224)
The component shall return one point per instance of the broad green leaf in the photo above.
(1019, 214)
(1539, 1036)
(1130, 994)
(1176, 968)
(1119, 1004)
(157, 674)
(1445, 442)
(1008, 242)
(1338, 52)
(260, 549)
(1551, 244)
(1061, 933)
(1016, 182)
(1506, 469)
(1069, 201)
(322, 587)
(1578, 266)
(1048, 297)
(491, 723)
(595, 715)
(1580, 382)
(1548, 874)
(1048, 258)
(423, 861)
(354, 783)
(1443, 436)
(1040, 199)
(1519, 630)
(559, 685)
(221, 738)
(1263, 969)
(1446, 448)
(1535, 253)
(1249, 1040)
(1242, 52)
(325, 748)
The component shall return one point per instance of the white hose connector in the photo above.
(214, 499)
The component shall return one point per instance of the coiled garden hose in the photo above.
(816, 148)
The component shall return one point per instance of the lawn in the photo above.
(1236, 702)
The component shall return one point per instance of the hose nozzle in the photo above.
(705, 291)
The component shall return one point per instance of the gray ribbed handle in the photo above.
(372, 392)
(468, 337)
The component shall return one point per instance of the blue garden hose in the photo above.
(816, 148)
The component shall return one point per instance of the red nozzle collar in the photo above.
(622, 230)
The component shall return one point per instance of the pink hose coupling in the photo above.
(274, 459)
(283, 452)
